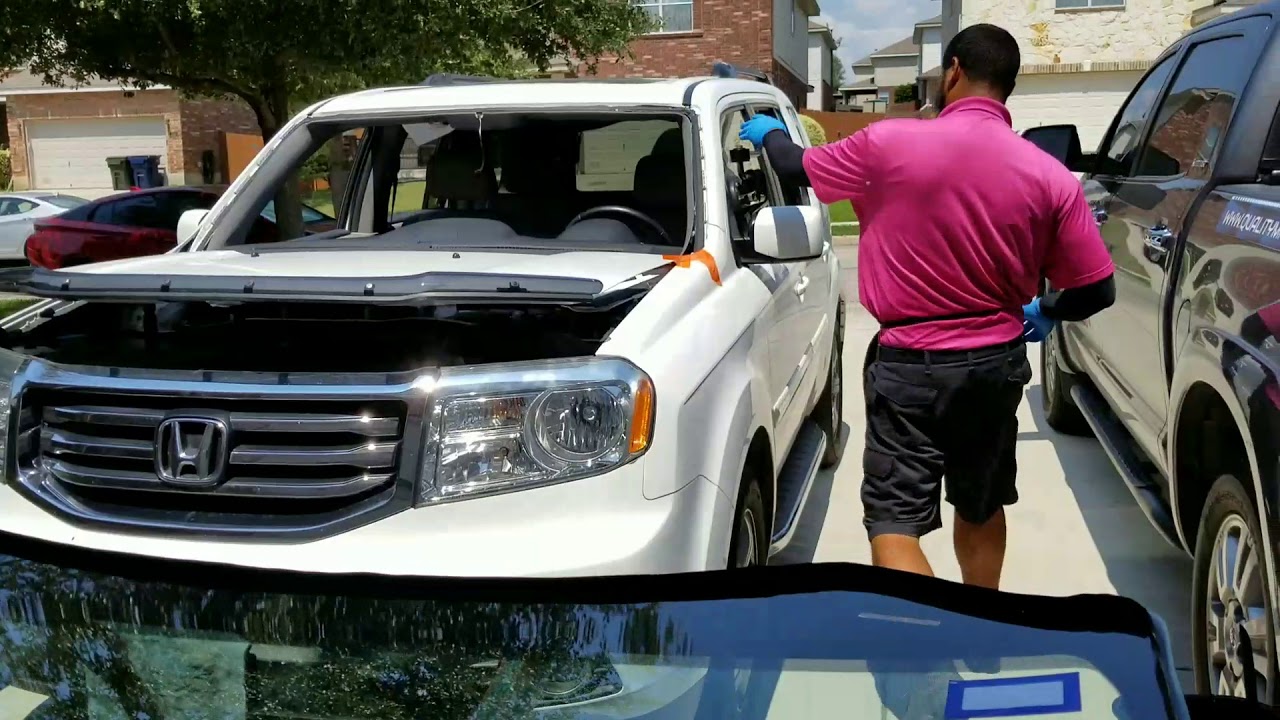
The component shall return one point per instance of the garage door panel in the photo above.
(72, 154)
(1087, 100)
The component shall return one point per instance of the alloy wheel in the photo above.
(747, 547)
(1237, 614)
(837, 395)
(1049, 379)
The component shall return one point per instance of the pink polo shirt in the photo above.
(959, 214)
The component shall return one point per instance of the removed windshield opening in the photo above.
(555, 179)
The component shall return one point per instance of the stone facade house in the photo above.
(767, 35)
(1080, 58)
(61, 137)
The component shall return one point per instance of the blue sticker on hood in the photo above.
(1014, 697)
(1254, 220)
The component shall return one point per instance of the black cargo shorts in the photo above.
(940, 415)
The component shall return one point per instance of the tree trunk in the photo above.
(272, 112)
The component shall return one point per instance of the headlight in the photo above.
(514, 427)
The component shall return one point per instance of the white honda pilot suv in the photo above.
(561, 329)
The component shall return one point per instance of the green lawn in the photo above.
(9, 306)
(408, 197)
(842, 212)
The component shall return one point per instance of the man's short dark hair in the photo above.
(988, 54)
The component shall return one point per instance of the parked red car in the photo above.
(133, 224)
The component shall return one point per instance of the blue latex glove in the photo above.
(1035, 326)
(754, 130)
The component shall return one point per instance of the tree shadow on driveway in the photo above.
(1137, 561)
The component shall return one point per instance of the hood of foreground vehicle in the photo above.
(607, 268)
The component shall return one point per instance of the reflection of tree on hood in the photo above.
(388, 659)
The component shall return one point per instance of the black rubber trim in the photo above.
(1079, 613)
(688, 92)
(493, 286)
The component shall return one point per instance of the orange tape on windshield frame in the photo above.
(701, 256)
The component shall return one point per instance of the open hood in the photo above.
(383, 276)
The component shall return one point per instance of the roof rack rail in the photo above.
(452, 80)
(723, 69)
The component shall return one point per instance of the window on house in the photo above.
(673, 15)
(1078, 4)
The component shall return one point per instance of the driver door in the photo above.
(752, 189)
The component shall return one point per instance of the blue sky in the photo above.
(864, 26)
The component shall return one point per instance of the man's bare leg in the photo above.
(980, 550)
(899, 552)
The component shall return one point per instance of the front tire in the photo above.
(749, 545)
(1060, 409)
(829, 412)
(1231, 599)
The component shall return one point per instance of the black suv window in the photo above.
(132, 211)
(173, 205)
(1125, 139)
(1197, 108)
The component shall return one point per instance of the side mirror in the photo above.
(188, 223)
(789, 233)
(1062, 142)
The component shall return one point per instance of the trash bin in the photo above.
(145, 171)
(121, 175)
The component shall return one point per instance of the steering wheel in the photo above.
(622, 210)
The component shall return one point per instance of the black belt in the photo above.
(941, 318)
(876, 350)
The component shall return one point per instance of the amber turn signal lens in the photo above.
(642, 418)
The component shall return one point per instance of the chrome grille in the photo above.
(283, 455)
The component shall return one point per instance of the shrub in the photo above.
(817, 136)
(904, 93)
(6, 174)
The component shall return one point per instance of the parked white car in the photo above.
(20, 210)
(606, 341)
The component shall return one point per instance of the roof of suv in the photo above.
(590, 94)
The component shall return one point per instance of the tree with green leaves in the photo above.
(904, 93)
(277, 55)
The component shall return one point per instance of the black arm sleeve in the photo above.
(786, 158)
(1080, 303)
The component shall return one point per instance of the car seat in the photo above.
(460, 179)
(660, 184)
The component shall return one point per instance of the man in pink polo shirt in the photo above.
(962, 220)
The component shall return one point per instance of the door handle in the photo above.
(1156, 243)
(801, 285)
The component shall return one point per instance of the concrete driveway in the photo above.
(1075, 530)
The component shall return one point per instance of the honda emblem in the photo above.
(192, 451)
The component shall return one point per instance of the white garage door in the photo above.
(72, 154)
(1087, 100)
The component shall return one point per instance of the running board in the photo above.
(1115, 442)
(794, 483)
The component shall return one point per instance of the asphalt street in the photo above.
(1075, 530)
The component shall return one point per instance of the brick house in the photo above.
(60, 138)
(768, 35)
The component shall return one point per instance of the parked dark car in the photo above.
(134, 224)
(1179, 379)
